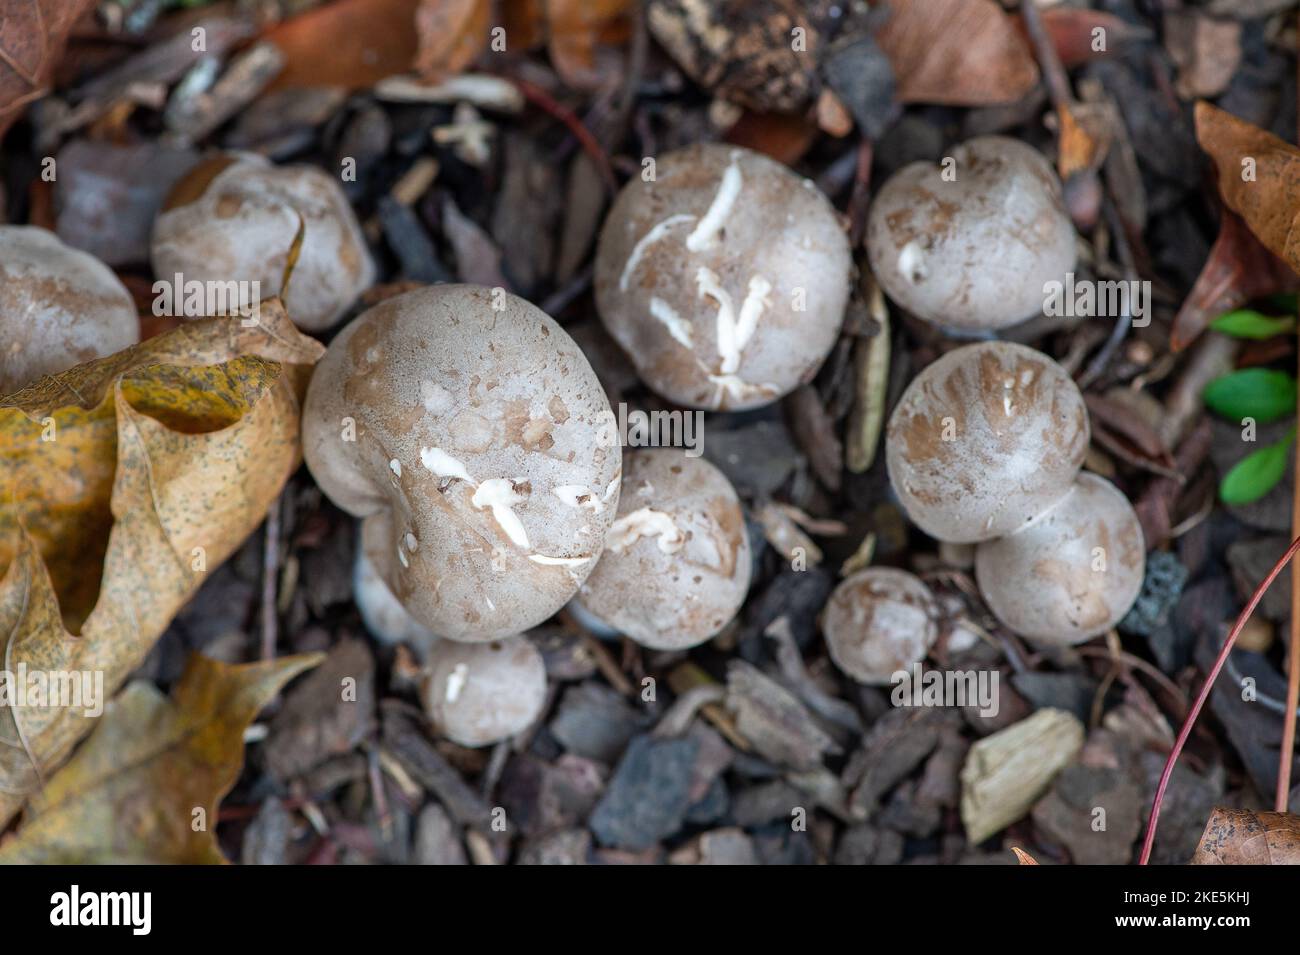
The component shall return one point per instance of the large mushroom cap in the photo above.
(484, 438)
(975, 251)
(479, 694)
(676, 564)
(724, 278)
(234, 219)
(1071, 575)
(59, 307)
(879, 621)
(984, 440)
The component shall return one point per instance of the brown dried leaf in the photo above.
(33, 34)
(1242, 837)
(452, 35)
(956, 52)
(577, 28)
(126, 480)
(349, 43)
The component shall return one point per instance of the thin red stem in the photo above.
(1204, 695)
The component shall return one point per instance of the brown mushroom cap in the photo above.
(975, 252)
(724, 279)
(485, 440)
(984, 440)
(676, 564)
(59, 307)
(879, 621)
(234, 218)
(477, 694)
(1071, 575)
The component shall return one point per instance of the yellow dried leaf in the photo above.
(134, 791)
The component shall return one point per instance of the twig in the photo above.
(270, 575)
(547, 103)
(1204, 695)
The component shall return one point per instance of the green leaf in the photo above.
(1258, 393)
(1256, 474)
(1248, 323)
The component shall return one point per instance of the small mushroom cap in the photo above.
(676, 564)
(59, 307)
(477, 694)
(879, 621)
(977, 251)
(382, 613)
(724, 279)
(484, 440)
(234, 218)
(985, 439)
(1071, 575)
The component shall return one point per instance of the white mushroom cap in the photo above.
(382, 613)
(481, 693)
(974, 252)
(724, 279)
(984, 440)
(485, 440)
(676, 564)
(59, 307)
(879, 621)
(1071, 575)
(234, 218)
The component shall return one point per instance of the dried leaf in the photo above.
(33, 34)
(132, 792)
(1072, 31)
(1023, 857)
(1242, 837)
(1259, 178)
(452, 35)
(125, 481)
(956, 52)
(577, 28)
(350, 43)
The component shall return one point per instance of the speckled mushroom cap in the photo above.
(382, 613)
(234, 218)
(486, 438)
(677, 562)
(984, 440)
(976, 252)
(724, 279)
(879, 621)
(59, 307)
(1071, 575)
(477, 694)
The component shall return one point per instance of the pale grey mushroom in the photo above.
(985, 439)
(1072, 574)
(972, 245)
(724, 277)
(233, 218)
(59, 307)
(469, 421)
(879, 621)
(477, 694)
(676, 564)
(382, 613)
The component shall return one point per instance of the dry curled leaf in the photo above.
(349, 43)
(956, 52)
(1259, 178)
(577, 28)
(132, 792)
(1242, 837)
(452, 34)
(33, 34)
(123, 482)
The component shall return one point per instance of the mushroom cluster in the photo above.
(724, 277)
(985, 446)
(971, 244)
(59, 307)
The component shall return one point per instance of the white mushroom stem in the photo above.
(646, 522)
(706, 232)
(650, 238)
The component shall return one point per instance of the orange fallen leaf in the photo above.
(1023, 857)
(453, 33)
(956, 52)
(349, 43)
(1242, 837)
(577, 28)
(33, 35)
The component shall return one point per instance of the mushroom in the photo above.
(468, 421)
(677, 560)
(382, 613)
(477, 694)
(1073, 573)
(724, 277)
(59, 307)
(984, 440)
(878, 621)
(973, 250)
(233, 218)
